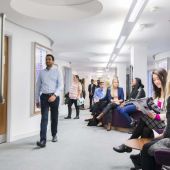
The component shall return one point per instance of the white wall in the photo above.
(121, 73)
(61, 64)
(139, 63)
(20, 122)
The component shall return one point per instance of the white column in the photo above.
(121, 73)
(139, 63)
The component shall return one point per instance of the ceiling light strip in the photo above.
(136, 10)
(121, 41)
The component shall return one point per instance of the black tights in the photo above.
(142, 130)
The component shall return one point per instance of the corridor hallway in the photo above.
(79, 147)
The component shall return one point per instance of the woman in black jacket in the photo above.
(128, 109)
(137, 89)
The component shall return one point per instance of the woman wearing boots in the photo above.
(74, 95)
(115, 98)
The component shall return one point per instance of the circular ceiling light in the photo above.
(61, 10)
(62, 2)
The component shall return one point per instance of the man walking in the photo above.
(49, 85)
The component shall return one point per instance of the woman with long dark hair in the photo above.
(163, 142)
(137, 89)
(127, 110)
(148, 122)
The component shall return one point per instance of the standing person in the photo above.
(98, 83)
(83, 94)
(49, 84)
(74, 94)
(83, 88)
(91, 89)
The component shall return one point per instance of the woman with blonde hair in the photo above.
(115, 97)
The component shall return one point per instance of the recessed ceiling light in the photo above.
(99, 71)
(154, 9)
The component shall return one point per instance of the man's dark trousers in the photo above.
(91, 100)
(45, 105)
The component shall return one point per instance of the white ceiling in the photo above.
(55, 10)
(86, 36)
(156, 32)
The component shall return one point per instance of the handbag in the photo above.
(80, 101)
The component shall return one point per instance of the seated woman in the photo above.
(146, 160)
(115, 97)
(127, 109)
(148, 122)
(137, 89)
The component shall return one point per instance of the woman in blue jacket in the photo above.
(115, 96)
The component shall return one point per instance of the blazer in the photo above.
(91, 90)
(137, 93)
(108, 96)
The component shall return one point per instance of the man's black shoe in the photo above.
(122, 148)
(87, 120)
(133, 168)
(136, 159)
(54, 139)
(68, 117)
(41, 144)
(77, 117)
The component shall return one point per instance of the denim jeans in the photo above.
(45, 105)
(126, 110)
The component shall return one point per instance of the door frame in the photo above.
(3, 137)
(7, 136)
(9, 103)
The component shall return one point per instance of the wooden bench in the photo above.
(137, 143)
